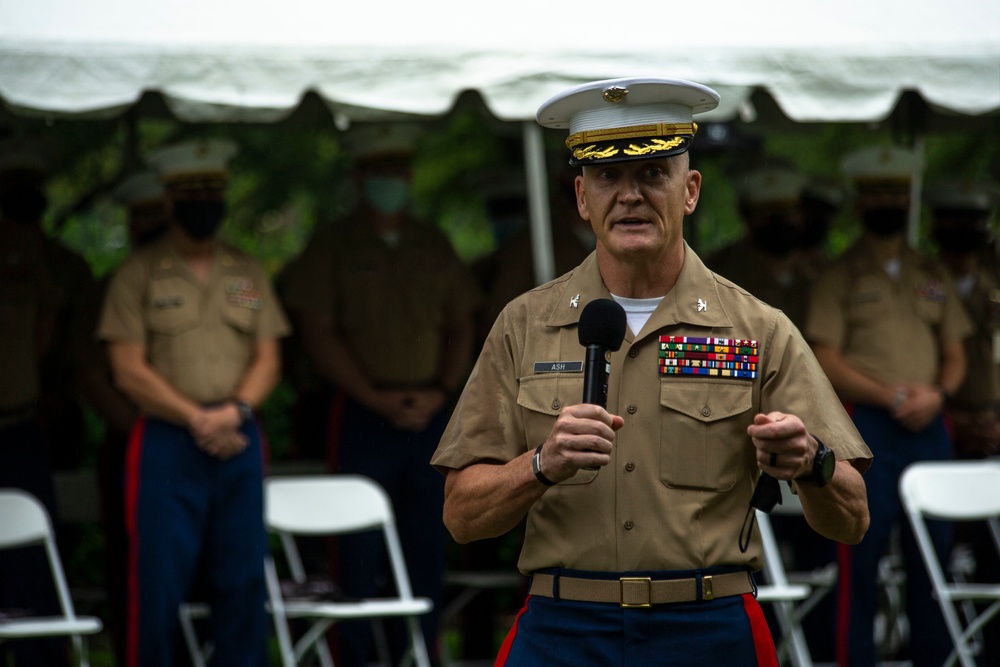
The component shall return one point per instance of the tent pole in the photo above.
(916, 192)
(538, 203)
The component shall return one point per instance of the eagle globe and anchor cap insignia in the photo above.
(615, 94)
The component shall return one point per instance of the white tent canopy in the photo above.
(254, 60)
(250, 60)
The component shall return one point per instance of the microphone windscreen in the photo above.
(603, 323)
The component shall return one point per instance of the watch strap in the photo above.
(536, 467)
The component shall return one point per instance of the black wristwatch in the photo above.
(823, 466)
(245, 410)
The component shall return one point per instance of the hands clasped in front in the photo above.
(919, 404)
(409, 409)
(217, 431)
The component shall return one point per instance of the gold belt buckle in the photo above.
(635, 585)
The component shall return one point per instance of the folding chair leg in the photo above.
(381, 641)
(418, 646)
(191, 640)
(792, 636)
(80, 647)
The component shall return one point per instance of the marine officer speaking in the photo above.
(635, 512)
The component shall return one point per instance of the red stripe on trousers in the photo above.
(843, 604)
(509, 639)
(763, 643)
(133, 459)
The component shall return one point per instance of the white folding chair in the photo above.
(332, 505)
(783, 595)
(954, 491)
(820, 581)
(24, 521)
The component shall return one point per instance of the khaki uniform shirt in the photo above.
(889, 329)
(981, 388)
(516, 267)
(199, 336)
(391, 305)
(683, 467)
(751, 269)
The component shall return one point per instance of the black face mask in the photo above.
(961, 242)
(199, 219)
(775, 236)
(813, 234)
(23, 204)
(885, 222)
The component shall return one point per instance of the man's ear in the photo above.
(693, 191)
(581, 202)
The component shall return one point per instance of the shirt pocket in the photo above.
(173, 307)
(542, 398)
(243, 319)
(867, 307)
(703, 429)
(929, 311)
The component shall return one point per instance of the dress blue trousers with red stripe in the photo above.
(194, 517)
(728, 631)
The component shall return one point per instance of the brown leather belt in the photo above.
(641, 591)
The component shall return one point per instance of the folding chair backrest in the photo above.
(23, 519)
(330, 505)
(955, 490)
(325, 504)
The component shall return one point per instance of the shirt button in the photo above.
(706, 411)
(629, 467)
(556, 405)
(629, 525)
(634, 352)
(631, 409)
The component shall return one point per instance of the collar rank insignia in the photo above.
(702, 305)
(575, 302)
(714, 357)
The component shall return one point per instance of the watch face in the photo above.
(827, 464)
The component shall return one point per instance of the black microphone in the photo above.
(602, 330)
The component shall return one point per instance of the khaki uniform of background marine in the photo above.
(962, 213)
(683, 469)
(749, 268)
(572, 241)
(980, 391)
(389, 303)
(888, 329)
(199, 337)
(765, 260)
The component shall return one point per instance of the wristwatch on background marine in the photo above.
(823, 465)
(245, 410)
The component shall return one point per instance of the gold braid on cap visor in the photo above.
(653, 139)
(207, 180)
